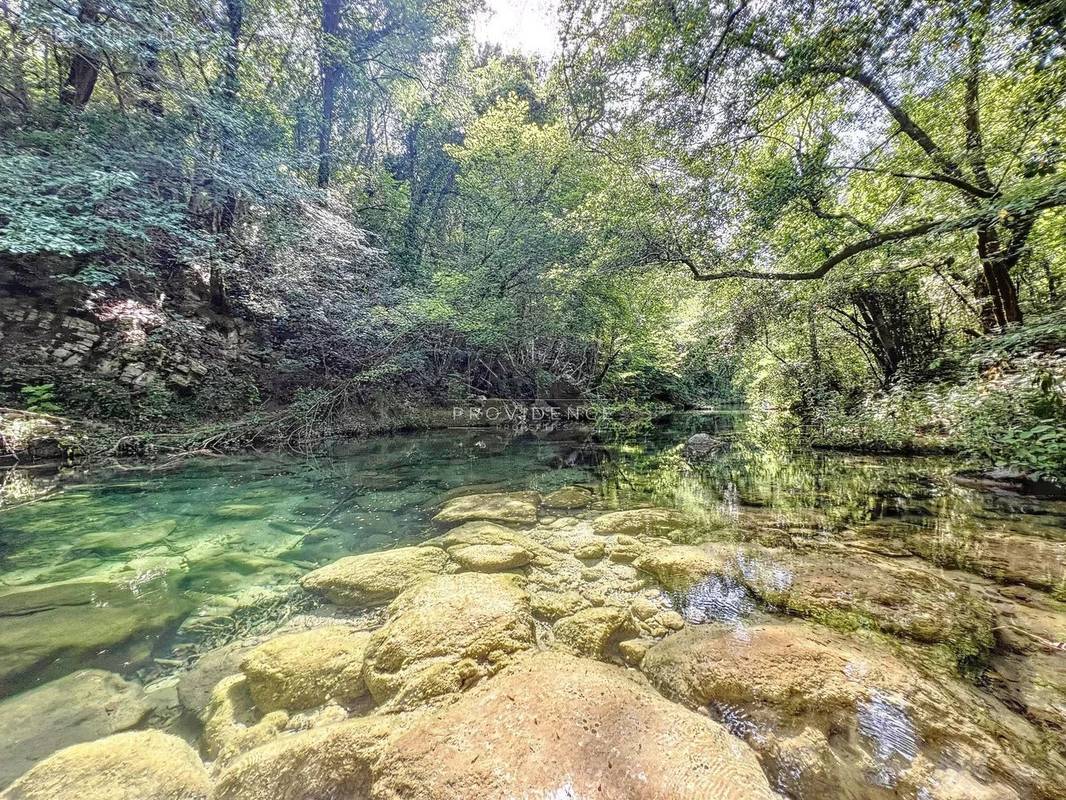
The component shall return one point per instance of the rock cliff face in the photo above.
(107, 351)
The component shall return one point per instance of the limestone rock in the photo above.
(588, 632)
(107, 616)
(307, 669)
(241, 511)
(374, 578)
(146, 765)
(130, 539)
(329, 762)
(831, 716)
(639, 522)
(446, 633)
(86, 705)
(908, 599)
(513, 507)
(569, 497)
(233, 725)
(588, 730)
(680, 566)
(490, 557)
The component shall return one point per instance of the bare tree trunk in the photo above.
(331, 73)
(227, 214)
(84, 64)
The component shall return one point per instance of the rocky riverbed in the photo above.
(549, 646)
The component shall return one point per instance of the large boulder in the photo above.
(639, 522)
(307, 669)
(146, 765)
(557, 726)
(509, 507)
(906, 598)
(445, 634)
(330, 762)
(374, 578)
(86, 705)
(830, 716)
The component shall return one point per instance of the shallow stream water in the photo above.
(140, 572)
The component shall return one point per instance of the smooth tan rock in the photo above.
(639, 522)
(593, 551)
(557, 726)
(490, 557)
(330, 762)
(513, 507)
(569, 497)
(588, 632)
(445, 634)
(680, 566)
(374, 578)
(146, 765)
(307, 669)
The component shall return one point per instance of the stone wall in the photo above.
(116, 344)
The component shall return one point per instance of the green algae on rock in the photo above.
(508, 507)
(444, 634)
(374, 578)
(79, 707)
(146, 765)
(303, 670)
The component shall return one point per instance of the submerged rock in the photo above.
(445, 634)
(514, 507)
(146, 765)
(897, 597)
(639, 522)
(129, 539)
(374, 578)
(241, 511)
(64, 628)
(680, 566)
(490, 557)
(588, 730)
(86, 705)
(569, 497)
(307, 669)
(831, 717)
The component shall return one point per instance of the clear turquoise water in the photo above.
(138, 571)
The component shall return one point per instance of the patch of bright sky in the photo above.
(525, 26)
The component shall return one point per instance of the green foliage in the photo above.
(40, 398)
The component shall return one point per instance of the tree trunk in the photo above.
(995, 287)
(84, 64)
(331, 73)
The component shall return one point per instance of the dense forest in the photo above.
(847, 215)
